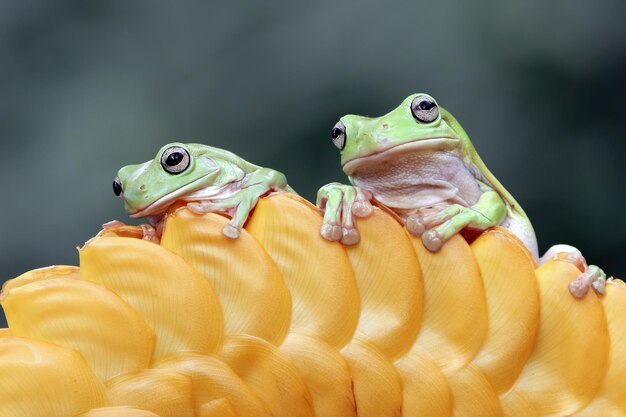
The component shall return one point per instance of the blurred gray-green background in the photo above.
(89, 86)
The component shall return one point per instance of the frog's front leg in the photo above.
(341, 204)
(437, 224)
(240, 204)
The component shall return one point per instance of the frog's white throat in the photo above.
(409, 180)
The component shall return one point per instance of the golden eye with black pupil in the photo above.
(175, 160)
(424, 108)
(338, 135)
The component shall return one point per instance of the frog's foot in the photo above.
(591, 277)
(342, 204)
(438, 225)
(237, 206)
(425, 218)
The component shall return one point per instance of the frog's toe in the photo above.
(432, 240)
(593, 277)
(231, 231)
(331, 231)
(599, 284)
(362, 208)
(414, 225)
(578, 288)
(350, 236)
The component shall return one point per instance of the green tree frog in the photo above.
(209, 179)
(418, 161)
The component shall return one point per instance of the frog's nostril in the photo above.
(142, 187)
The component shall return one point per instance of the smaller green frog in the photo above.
(209, 179)
(418, 161)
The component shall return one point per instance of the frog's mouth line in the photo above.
(422, 144)
(171, 197)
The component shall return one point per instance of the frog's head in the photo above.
(418, 124)
(148, 189)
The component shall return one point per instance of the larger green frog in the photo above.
(418, 161)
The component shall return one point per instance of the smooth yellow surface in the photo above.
(270, 374)
(512, 305)
(376, 383)
(174, 299)
(515, 404)
(218, 408)
(426, 391)
(251, 289)
(326, 373)
(472, 394)
(316, 271)
(454, 324)
(389, 280)
(42, 379)
(40, 274)
(120, 411)
(212, 379)
(84, 316)
(610, 400)
(166, 393)
(570, 358)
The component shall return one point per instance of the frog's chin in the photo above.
(392, 151)
(160, 206)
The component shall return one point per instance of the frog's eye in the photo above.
(117, 187)
(338, 135)
(175, 160)
(424, 108)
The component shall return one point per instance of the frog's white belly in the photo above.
(415, 180)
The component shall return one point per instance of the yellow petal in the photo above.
(110, 335)
(516, 404)
(376, 383)
(569, 361)
(40, 274)
(125, 230)
(317, 272)
(167, 394)
(426, 392)
(326, 374)
(4, 333)
(173, 298)
(41, 379)
(389, 280)
(218, 408)
(213, 380)
(512, 304)
(472, 394)
(251, 289)
(270, 374)
(610, 400)
(120, 411)
(454, 323)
